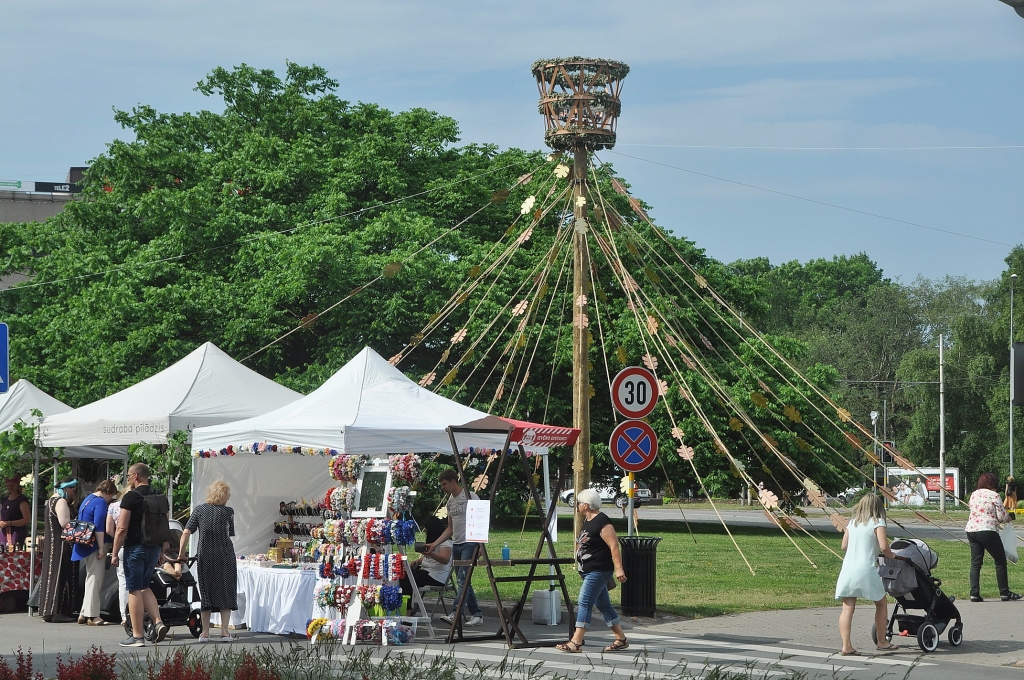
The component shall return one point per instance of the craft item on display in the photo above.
(346, 468)
(405, 467)
(325, 629)
(390, 598)
(400, 500)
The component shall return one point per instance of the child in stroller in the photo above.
(909, 579)
(177, 595)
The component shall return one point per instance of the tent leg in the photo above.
(32, 533)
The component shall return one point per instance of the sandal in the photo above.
(888, 648)
(618, 645)
(570, 646)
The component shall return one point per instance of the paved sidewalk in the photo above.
(993, 633)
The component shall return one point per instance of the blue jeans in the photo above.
(594, 591)
(464, 551)
(139, 565)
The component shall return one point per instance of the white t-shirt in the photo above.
(436, 570)
(457, 515)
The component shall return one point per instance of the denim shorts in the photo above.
(139, 565)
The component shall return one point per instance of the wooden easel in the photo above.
(508, 618)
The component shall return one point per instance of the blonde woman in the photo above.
(217, 571)
(863, 539)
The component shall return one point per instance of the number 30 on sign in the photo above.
(635, 392)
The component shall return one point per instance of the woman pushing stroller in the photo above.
(864, 537)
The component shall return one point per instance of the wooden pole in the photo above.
(580, 354)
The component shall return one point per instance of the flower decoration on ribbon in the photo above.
(346, 467)
(400, 500)
(258, 448)
(406, 468)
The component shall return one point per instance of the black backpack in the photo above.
(156, 529)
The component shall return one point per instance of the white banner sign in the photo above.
(478, 521)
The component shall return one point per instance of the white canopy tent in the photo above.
(367, 407)
(207, 387)
(18, 403)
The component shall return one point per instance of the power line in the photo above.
(813, 200)
(978, 147)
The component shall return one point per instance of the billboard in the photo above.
(922, 483)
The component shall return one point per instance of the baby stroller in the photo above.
(909, 579)
(178, 598)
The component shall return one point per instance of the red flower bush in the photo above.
(93, 665)
(249, 669)
(22, 669)
(178, 667)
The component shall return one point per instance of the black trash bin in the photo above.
(640, 562)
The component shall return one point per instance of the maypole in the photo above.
(579, 99)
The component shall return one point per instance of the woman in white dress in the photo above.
(863, 539)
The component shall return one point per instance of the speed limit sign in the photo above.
(635, 392)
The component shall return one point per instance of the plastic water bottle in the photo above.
(506, 553)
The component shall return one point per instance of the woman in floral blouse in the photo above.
(987, 513)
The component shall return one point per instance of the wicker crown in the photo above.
(579, 99)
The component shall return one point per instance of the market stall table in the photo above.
(275, 600)
(14, 568)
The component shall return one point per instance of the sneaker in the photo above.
(161, 631)
(474, 621)
(133, 642)
(1010, 596)
(447, 618)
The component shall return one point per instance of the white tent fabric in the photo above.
(18, 403)
(367, 407)
(207, 387)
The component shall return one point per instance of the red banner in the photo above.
(932, 483)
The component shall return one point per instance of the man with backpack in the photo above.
(143, 529)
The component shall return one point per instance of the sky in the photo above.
(788, 129)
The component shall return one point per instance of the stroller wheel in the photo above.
(927, 637)
(195, 624)
(148, 629)
(956, 634)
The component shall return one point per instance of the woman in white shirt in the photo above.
(432, 567)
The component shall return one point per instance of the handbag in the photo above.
(81, 533)
(1008, 536)
(612, 583)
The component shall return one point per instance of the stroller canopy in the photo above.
(917, 551)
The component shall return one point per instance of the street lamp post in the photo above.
(874, 443)
(1013, 280)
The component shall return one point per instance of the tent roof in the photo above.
(17, 404)
(206, 387)
(367, 407)
(527, 433)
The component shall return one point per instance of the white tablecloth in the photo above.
(275, 600)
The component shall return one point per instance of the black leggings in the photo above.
(980, 542)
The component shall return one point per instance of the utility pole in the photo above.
(942, 433)
(579, 99)
(1013, 280)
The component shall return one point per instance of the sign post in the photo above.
(5, 359)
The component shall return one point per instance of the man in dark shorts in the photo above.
(140, 561)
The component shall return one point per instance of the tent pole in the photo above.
(35, 514)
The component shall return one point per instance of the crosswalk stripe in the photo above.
(782, 651)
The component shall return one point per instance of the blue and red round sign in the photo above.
(633, 445)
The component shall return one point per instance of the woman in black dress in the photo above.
(58, 584)
(15, 515)
(599, 561)
(217, 569)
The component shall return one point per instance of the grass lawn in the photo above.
(702, 574)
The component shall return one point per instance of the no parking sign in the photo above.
(633, 445)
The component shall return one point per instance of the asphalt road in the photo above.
(755, 518)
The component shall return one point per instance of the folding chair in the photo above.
(449, 590)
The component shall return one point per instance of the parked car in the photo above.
(610, 494)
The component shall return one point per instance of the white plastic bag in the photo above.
(1009, 538)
